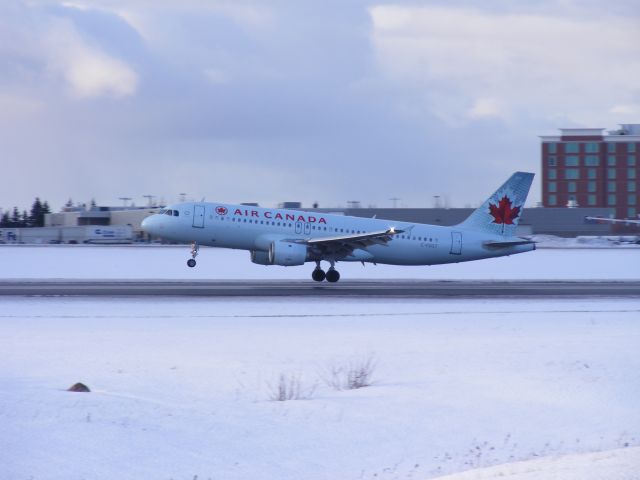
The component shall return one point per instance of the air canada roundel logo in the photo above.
(221, 210)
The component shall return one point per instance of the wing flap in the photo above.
(354, 238)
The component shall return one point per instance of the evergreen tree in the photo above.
(25, 220)
(15, 217)
(36, 218)
(5, 221)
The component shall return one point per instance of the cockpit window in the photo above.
(176, 213)
(168, 212)
(162, 212)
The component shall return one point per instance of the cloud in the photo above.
(540, 64)
(88, 71)
(267, 101)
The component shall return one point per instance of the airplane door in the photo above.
(198, 216)
(456, 243)
(307, 229)
(298, 227)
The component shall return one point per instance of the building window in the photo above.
(611, 160)
(611, 173)
(631, 212)
(631, 147)
(611, 199)
(591, 161)
(552, 148)
(571, 187)
(611, 147)
(592, 173)
(551, 161)
(572, 174)
(552, 200)
(591, 147)
(631, 161)
(571, 147)
(591, 200)
(631, 199)
(611, 187)
(552, 187)
(573, 199)
(631, 173)
(571, 161)
(592, 186)
(631, 186)
(552, 174)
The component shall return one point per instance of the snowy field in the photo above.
(183, 388)
(169, 262)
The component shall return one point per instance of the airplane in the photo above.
(628, 221)
(291, 237)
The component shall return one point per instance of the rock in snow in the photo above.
(78, 387)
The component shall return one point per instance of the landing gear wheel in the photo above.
(318, 275)
(194, 253)
(332, 275)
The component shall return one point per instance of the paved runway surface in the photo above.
(346, 288)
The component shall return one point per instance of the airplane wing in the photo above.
(613, 220)
(344, 245)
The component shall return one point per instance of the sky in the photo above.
(328, 102)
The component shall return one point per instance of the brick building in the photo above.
(586, 167)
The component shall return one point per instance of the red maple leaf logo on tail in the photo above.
(503, 213)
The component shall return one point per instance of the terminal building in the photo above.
(584, 167)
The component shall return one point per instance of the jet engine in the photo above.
(261, 258)
(287, 254)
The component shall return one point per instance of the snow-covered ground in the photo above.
(169, 262)
(619, 464)
(182, 387)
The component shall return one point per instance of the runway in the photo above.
(307, 288)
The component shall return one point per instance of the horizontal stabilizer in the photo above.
(511, 243)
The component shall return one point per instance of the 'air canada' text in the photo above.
(292, 217)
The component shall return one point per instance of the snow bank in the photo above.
(620, 464)
(611, 241)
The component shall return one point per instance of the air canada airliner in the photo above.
(291, 237)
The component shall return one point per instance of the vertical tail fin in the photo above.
(501, 213)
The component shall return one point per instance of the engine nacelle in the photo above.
(261, 258)
(287, 254)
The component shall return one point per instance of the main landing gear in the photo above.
(331, 276)
(194, 253)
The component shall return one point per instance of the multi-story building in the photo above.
(588, 168)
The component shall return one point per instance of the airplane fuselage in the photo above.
(256, 229)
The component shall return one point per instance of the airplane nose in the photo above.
(146, 225)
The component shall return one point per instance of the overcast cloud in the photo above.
(311, 101)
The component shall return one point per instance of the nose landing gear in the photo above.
(194, 253)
